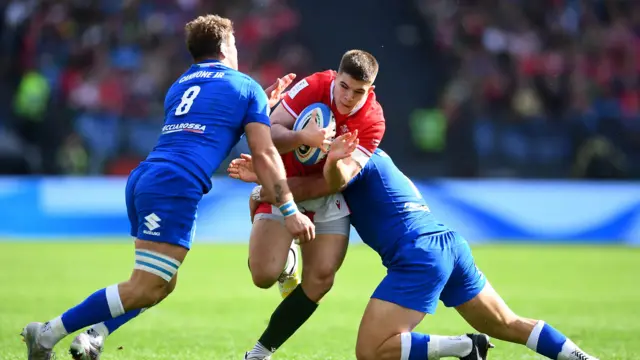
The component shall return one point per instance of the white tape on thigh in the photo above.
(157, 264)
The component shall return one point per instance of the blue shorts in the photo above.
(431, 268)
(162, 200)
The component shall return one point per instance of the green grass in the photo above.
(592, 294)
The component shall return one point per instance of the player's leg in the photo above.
(487, 312)
(145, 288)
(481, 306)
(322, 258)
(383, 331)
(268, 247)
(162, 216)
(89, 344)
(409, 291)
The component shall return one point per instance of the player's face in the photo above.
(349, 92)
(230, 52)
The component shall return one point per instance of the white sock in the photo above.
(100, 330)
(259, 351)
(52, 332)
(443, 346)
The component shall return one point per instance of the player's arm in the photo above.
(267, 162)
(350, 153)
(303, 94)
(304, 188)
(284, 138)
(338, 172)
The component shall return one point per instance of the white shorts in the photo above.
(330, 214)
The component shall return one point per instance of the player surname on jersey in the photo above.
(202, 74)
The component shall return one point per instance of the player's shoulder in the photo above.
(316, 81)
(239, 76)
(380, 161)
(322, 77)
(249, 86)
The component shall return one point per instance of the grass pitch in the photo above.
(592, 294)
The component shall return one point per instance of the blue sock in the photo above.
(416, 344)
(102, 305)
(113, 324)
(546, 341)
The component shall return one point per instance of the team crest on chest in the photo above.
(344, 128)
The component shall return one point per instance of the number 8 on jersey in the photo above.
(187, 100)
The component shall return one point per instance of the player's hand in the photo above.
(343, 146)
(276, 92)
(301, 227)
(242, 169)
(314, 136)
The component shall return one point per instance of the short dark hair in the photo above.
(360, 65)
(206, 34)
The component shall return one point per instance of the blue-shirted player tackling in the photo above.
(206, 111)
(426, 262)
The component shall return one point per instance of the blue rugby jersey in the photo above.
(386, 207)
(206, 110)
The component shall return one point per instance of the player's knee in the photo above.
(171, 286)
(318, 282)
(263, 281)
(263, 275)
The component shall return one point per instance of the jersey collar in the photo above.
(208, 63)
(355, 109)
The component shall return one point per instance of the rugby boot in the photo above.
(31, 337)
(290, 277)
(479, 348)
(87, 345)
(255, 357)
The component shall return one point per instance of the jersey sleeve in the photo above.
(369, 140)
(306, 92)
(258, 105)
(356, 178)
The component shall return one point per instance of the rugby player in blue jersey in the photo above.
(206, 111)
(426, 262)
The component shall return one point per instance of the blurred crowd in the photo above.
(530, 88)
(82, 82)
(547, 86)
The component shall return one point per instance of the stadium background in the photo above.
(519, 120)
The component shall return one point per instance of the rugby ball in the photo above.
(312, 155)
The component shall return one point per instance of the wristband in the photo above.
(255, 193)
(289, 208)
